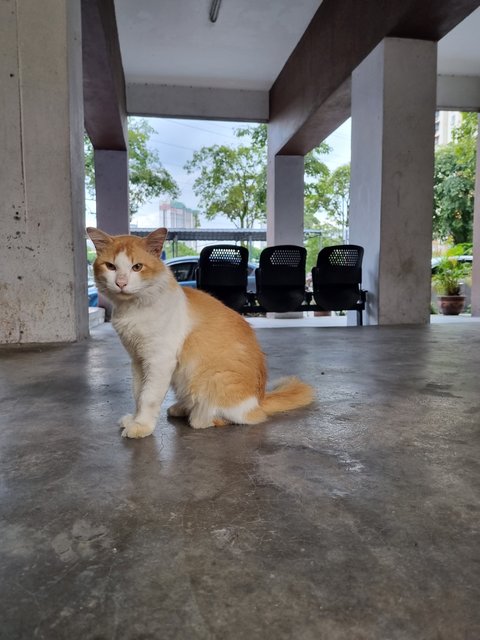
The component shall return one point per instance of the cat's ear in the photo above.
(155, 240)
(100, 239)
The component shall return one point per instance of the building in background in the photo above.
(445, 122)
(175, 215)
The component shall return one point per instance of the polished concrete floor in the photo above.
(357, 518)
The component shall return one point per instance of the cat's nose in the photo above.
(121, 281)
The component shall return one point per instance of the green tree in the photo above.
(148, 178)
(181, 249)
(327, 202)
(316, 176)
(328, 234)
(259, 134)
(454, 183)
(231, 181)
(317, 197)
(338, 198)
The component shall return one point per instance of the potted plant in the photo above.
(448, 279)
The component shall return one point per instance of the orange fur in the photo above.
(186, 338)
(229, 364)
(135, 248)
(289, 393)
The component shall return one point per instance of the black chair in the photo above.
(280, 278)
(222, 272)
(337, 279)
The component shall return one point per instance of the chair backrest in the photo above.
(337, 277)
(222, 272)
(280, 277)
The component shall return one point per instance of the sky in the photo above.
(175, 140)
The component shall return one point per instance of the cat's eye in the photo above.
(110, 266)
(137, 267)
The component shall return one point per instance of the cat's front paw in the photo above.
(137, 430)
(126, 421)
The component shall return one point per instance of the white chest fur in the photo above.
(156, 330)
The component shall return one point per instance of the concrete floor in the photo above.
(355, 519)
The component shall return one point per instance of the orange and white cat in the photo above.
(184, 338)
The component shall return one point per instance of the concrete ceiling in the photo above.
(174, 43)
(277, 61)
(459, 50)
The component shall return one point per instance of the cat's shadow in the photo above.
(180, 424)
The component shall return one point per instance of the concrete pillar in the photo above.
(285, 189)
(43, 291)
(393, 108)
(476, 237)
(285, 195)
(111, 188)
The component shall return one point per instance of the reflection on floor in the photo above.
(357, 518)
(276, 321)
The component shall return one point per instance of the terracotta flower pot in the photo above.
(451, 305)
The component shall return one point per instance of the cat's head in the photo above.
(129, 267)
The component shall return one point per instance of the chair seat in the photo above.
(222, 271)
(280, 278)
(337, 279)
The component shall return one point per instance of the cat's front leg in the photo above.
(153, 389)
(137, 378)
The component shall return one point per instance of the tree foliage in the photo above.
(148, 179)
(315, 200)
(231, 181)
(454, 183)
(181, 249)
(329, 199)
(328, 234)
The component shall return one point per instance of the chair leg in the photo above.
(359, 318)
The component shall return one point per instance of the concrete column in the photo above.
(111, 187)
(285, 195)
(285, 189)
(43, 292)
(476, 237)
(393, 108)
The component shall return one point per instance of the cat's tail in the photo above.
(288, 393)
